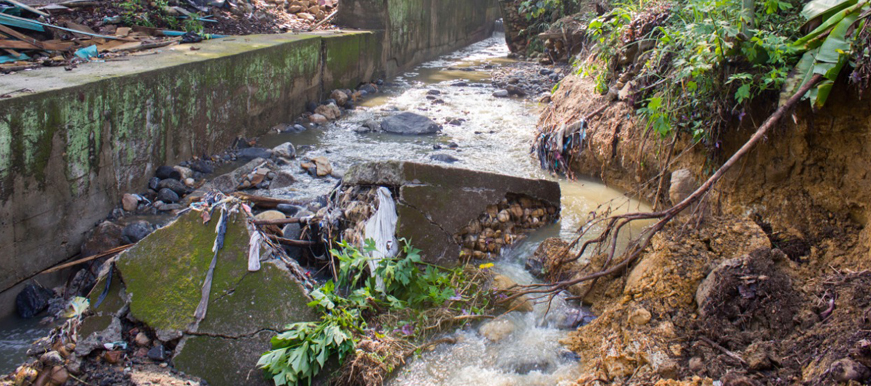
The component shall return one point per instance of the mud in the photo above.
(781, 259)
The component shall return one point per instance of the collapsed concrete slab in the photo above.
(449, 213)
(162, 280)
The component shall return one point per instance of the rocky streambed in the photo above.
(144, 324)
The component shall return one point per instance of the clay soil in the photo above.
(772, 288)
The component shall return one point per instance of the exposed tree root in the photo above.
(607, 239)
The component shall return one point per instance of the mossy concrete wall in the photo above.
(417, 30)
(70, 148)
(75, 141)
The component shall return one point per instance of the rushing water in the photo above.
(494, 136)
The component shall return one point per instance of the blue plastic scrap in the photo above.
(10, 58)
(87, 53)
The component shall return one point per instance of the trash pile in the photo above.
(556, 148)
(76, 31)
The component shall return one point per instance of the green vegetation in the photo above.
(696, 64)
(408, 293)
(156, 14)
(541, 15)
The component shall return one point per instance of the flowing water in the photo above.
(494, 135)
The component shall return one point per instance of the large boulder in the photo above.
(410, 124)
(160, 282)
(436, 204)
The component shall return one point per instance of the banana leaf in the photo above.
(799, 76)
(823, 9)
(807, 42)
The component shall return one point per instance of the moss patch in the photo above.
(164, 275)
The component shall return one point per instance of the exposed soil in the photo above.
(772, 290)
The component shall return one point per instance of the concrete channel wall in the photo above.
(74, 141)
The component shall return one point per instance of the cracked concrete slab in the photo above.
(434, 203)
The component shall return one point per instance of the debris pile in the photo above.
(76, 31)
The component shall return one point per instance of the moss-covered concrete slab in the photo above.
(165, 272)
(224, 362)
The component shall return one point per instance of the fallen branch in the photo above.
(89, 258)
(609, 236)
(291, 242)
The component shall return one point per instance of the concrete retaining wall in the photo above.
(75, 141)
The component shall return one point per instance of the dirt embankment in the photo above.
(772, 288)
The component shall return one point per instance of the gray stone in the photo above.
(228, 183)
(501, 94)
(167, 195)
(174, 185)
(410, 124)
(282, 179)
(136, 231)
(165, 172)
(289, 209)
(106, 236)
(32, 300)
(447, 158)
(153, 182)
(202, 167)
(329, 111)
(157, 353)
(436, 202)
(285, 150)
(253, 152)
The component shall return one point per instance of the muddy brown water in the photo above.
(494, 136)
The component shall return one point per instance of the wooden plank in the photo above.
(20, 36)
(27, 7)
(18, 44)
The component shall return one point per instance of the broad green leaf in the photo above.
(822, 93)
(799, 76)
(819, 8)
(836, 42)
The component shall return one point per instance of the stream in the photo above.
(493, 135)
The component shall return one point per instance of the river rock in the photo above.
(165, 172)
(446, 158)
(505, 283)
(270, 215)
(318, 118)
(153, 182)
(289, 209)
(173, 185)
(163, 277)
(410, 124)
(340, 97)
(142, 339)
(201, 166)
(129, 202)
(435, 202)
(253, 153)
(497, 329)
(167, 196)
(329, 111)
(282, 179)
(318, 166)
(136, 231)
(228, 183)
(106, 236)
(185, 172)
(285, 150)
(32, 300)
(157, 353)
(501, 94)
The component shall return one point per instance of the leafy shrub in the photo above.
(300, 353)
(699, 61)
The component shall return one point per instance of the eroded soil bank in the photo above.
(771, 287)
